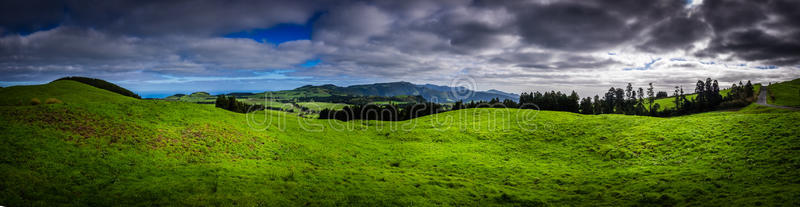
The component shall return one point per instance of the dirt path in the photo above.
(762, 100)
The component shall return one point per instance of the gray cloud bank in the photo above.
(510, 45)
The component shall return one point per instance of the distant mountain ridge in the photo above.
(430, 92)
(391, 91)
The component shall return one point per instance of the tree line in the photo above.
(388, 112)
(493, 103)
(231, 104)
(707, 97)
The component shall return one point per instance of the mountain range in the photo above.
(430, 92)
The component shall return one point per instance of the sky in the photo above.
(158, 48)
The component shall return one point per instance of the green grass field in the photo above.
(268, 103)
(785, 93)
(388, 102)
(318, 106)
(98, 148)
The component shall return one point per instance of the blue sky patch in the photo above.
(280, 33)
(766, 67)
(677, 59)
(276, 35)
(311, 63)
(646, 65)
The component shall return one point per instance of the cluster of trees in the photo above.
(231, 104)
(740, 95)
(493, 103)
(553, 101)
(388, 112)
(741, 92)
(302, 108)
(619, 101)
(662, 94)
(633, 102)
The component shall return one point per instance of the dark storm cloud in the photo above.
(473, 35)
(569, 62)
(566, 40)
(153, 17)
(522, 58)
(675, 33)
(584, 25)
(29, 16)
(724, 15)
(766, 31)
(572, 27)
(754, 44)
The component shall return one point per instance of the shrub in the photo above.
(35, 101)
(52, 101)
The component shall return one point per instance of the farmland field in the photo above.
(99, 148)
(318, 106)
(388, 102)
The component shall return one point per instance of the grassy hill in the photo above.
(99, 148)
(196, 97)
(102, 84)
(785, 93)
(318, 106)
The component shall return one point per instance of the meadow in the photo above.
(318, 106)
(785, 93)
(98, 148)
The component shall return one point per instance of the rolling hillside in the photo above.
(196, 97)
(98, 148)
(785, 93)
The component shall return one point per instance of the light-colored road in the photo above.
(762, 100)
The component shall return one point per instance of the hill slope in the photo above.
(124, 151)
(785, 93)
(69, 91)
(102, 84)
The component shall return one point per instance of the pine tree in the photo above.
(749, 90)
(651, 97)
(677, 99)
(598, 108)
